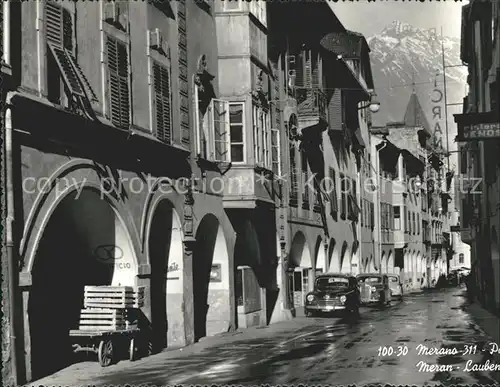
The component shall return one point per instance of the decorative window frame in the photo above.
(124, 38)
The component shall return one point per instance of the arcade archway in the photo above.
(167, 266)
(320, 257)
(211, 303)
(84, 243)
(333, 257)
(300, 270)
(345, 259)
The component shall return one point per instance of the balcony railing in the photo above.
(311, 103)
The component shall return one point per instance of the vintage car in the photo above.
(395, 286)
(333, 292)
(374, 289)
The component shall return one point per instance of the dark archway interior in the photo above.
(160, 238)
(206, 237)
(65, 262)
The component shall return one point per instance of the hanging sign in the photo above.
(478, 126)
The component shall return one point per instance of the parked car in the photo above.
(396, 286)
(333, 292)
(374, 289)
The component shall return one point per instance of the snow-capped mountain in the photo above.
(402, 54)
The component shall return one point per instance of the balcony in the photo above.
(311, 107)
(438, 241)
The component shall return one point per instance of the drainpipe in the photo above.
(10, 247)
(379, 232)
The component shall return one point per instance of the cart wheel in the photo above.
(105, 354)
(132, 350)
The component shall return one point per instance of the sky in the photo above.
(371, 18)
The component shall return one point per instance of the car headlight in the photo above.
(342, 299)
(310, 298)
(374, 289)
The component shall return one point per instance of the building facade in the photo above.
(479, 147)
(111, 182)
(410, 216)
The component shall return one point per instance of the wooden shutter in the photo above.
(118, 83)
(59, 26)
(162, 103)
(220, 142)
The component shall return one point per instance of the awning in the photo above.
(389, 155)
(413, 165)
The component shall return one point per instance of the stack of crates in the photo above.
(111, 308)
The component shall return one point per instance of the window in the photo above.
(237, 135)
(461, 258)
(361, 206)
(407, 223)
(414, 228)
(212, 128)
(276, 151)
(343, 194)
(353, 206)
(372, 215)
(332, 192)
(397, 218)
(258, 9)
(66, 82)
(293, 176)
(305, 179)
(418, 224)
(118, 83)
(231, 5)
(261, 125)
(162, 103)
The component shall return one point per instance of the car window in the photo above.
(325, 283)
(394, 279)
(370, 280)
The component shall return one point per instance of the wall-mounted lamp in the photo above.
(374, 105)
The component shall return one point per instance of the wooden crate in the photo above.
(102, 319)
(113, 297)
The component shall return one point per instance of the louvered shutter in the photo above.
(118, 85)
(162, 103)
(59, 26)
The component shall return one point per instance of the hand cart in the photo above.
(103, 342)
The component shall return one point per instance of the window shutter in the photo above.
(118, 83)
(162, 103)
(64, 61)
(54, 24)
(220, 129)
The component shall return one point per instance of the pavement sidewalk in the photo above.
(78, 372)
